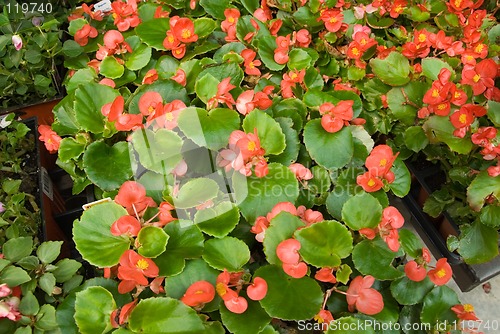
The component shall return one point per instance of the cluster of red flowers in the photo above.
(335, 117)
(333, 19)
(125, 14)
(244, 152)
(249, 100)
(181, 32)
(308, 216)
(289, 81)
(229, 24)
(360, 44)
(9, 302)
(485, 137)
(50, 138)
(288, 252)
(392, 220)
(379, 164)
(114, 43)
(362, 297)
(232, 300)
(416, 270)
(222, 95)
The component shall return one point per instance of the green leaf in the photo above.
(158, 151)
(226, 253)
(292, 143)
(69, 149)
(394, 70)
(152, 32)
(29, 304)
(14, 276)
(111, 68)
(438, 304)
(196, 192)
(489, 216)
(266, 46)
(223, 71)
(339, 145)
(66, 268)
(281, 228)
(17, 248)
(185, 242)
(269, 131)
(93, 238)
(46, 318)
(65, 122)
(164, 315)
(299, 59)
(410, 243)
(432, 66)
(478, 243)
(415, 138)
(80, 78)
(204, 26)
(494, 111)
(93, 307)
(206, 87)
(440, 129)
(209, 129)
(252, 321)
(89, 99)
(47, 282)
(215, 8)
(408, 292)
(292, 108)
(362, 211)
(373, 257)
(49, 251)
(304, 303)
(411, 315)
(343, 273)
(168, 89)
(405, 101)
(480, 188)
(257, 196)
(219, 220)
(402, 181)
(152, 241)
(324, 244)
(108, 167)
(139, 58)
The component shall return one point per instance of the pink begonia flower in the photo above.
(17, 41)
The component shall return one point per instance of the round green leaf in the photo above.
(215, 8)
(152, 241)
(138, 58)
(373, 257)
(440, 129)
(111, 68)
(410, 243)
(17, 248)
(398, 100)
(29, 305)
(266, 47)
(185, 242)
(362, 211)
(402, 181)
(196, 192)
(223, 71)
(257, 196)
(408, 292)
(281, 228)
(93, 307)
(292, 147)
(93, 238)
(299, 59)
(252, 321)
(432, 66)
(107, 166)
(438, 304)
(206, 87)
(478, 243)
(480, 188)
(489, 216)
(339, 145)
(324, 244)
(415, 138)
(152, 32)
(69, 149)
(210, 129)
(89, 99)
(345, 325)
(219, 220)
(65, 269)
(164, 315)
(204, 26)
(269, 131)
(289, 298)
(14, 276)
(394, 70)
(226, 253)
(158, 151)
(291, 108)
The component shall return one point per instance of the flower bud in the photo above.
(17, 41)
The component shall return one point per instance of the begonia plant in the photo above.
(247, 151)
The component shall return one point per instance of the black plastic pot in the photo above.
(427, 178)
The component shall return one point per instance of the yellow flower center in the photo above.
(251, 65)
(114, 15)
(458, 3)
(221, 289)
(171, 39)
(355, 51)
(363, 41)
(230, 19)
(293, 76)
(441, 273)
(371, 183)
(319, 319)
(435, 93)
(333, 20)
(186, 33)
(142, 264)
(422, 38)
(383, 162)
(398, 9)
(479, 48)
(457, 95)
(462, 118)
(199, 292)
(169, 117)
(251, 146)
(442, 106)
(468, 308)
(476, 78)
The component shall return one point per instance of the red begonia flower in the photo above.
(361, 296)
(369, 182)
(151, 103)
(442, 273)
(134, 267)
(415, 272)
(296, 270)
(288, 251)
(130, 192)
(258, 289)
(198, 294)
(465, 312)
(50, 138)
(325, 275)
(184, 30)
(126, 225)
